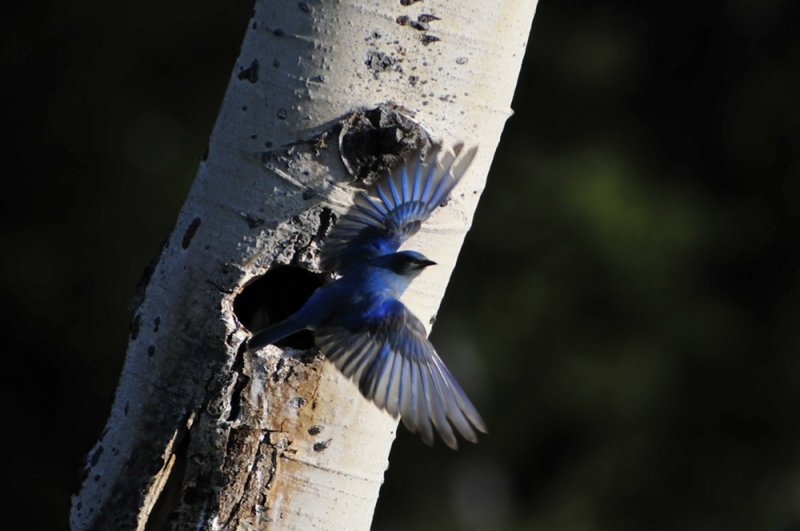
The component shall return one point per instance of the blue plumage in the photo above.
(358, 321)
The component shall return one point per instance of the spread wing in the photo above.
(395, 366)
(393, 209)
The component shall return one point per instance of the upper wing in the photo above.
(396, 367)
(393, 209)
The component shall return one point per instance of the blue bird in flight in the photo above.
(357, 320)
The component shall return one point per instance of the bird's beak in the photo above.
(426, 263)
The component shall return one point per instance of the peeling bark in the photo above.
(201, 435)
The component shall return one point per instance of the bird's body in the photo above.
(350, 301)
(359, 322)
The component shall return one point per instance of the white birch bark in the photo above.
(201, 435)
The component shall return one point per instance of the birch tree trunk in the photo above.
(201, 435)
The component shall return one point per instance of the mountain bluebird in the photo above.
(358, 322)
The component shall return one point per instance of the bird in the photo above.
(358, 321)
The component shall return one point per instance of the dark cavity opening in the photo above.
(275, 296)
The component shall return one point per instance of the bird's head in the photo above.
(408, 263)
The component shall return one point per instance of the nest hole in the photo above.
(275, 296)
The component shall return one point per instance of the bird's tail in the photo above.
(273, 333)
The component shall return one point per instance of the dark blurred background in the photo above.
(625, 309)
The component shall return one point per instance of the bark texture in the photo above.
(323, 96)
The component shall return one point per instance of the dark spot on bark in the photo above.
(461, 60)
(304, 7)
(412, 80)
(321, 445)
(282, 114)
(428, 39)
(97, 478)
(432, 319)
(151, 351)
(379, 61)
(135, 326)
(427, 17)
(96, 455)
(326, 220)
(268, 144)
(244, 107)
(308, 193)
(297, 402)
(191, 230)
(253, 221)
(408, 2)
(419, 26)
(276, 63)
(255, 24)
(156, 324)
(278, 32)
(126, 408)
(250, 73)
(403, 20)
(315, 430)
